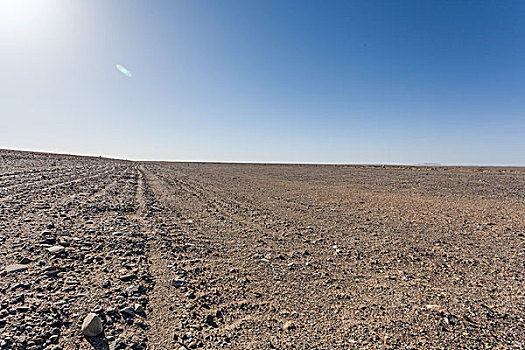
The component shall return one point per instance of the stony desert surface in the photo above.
(246, 256)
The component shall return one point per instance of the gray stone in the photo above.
(126, 278)
(139, 309)
(92, 325)
(177, 283)
(128, 312)
(25, 261)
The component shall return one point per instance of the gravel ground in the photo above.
(205, 256)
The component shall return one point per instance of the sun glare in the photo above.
(29, 26)
(20, 18)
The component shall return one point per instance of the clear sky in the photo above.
(270, 81)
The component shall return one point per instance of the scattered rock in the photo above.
(127, 277)
(139, 309)
(57, 249)
(25, 261)
(288, 326)
(128, 312)
(92, 325)
(177, 283)
(116, 344)
(15, 268)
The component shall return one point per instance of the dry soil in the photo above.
(246, 256)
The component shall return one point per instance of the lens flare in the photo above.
(123, 70)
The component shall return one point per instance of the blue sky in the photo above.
(266, 81)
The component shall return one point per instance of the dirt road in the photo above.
(259, 256)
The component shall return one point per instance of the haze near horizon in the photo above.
(266, 81)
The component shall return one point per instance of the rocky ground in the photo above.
(202, 256)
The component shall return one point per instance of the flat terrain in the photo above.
(259, 256)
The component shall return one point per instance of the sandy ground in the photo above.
(259, 256)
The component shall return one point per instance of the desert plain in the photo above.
(259, 256)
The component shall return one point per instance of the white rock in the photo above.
(15, 268)
(56, 249)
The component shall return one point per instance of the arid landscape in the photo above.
(254, 256)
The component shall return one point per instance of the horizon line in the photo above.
(417, 165)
